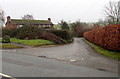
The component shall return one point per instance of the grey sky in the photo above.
(68, 10)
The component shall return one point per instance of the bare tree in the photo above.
(113, 12)
(28, 17)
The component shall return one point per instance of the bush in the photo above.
(11, 32)
(29, 32)
(51, 37)
(106, 37)
(6, 39)
(66, 35)
(5, 31)
(34, 32)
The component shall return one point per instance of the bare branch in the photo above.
(113, 11)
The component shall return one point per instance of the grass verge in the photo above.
(111, 54)
(9, 46)
(35, 42)
(0, 40)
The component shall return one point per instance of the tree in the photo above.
(113, 12)
(78, 28)
(64, 25)
(28, 17)
(75, 24)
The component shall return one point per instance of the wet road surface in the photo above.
(76, 59)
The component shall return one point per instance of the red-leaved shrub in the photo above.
(107, 37)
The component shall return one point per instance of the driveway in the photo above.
(76, 58)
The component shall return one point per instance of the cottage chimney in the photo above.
(8, 19)
(49, 19)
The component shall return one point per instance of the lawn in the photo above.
(10, 46)
(34, 42)
(0, 40)
(112, 54)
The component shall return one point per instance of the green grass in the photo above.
(10, 46)
(35, 42)
(0, 40)
(111, 54)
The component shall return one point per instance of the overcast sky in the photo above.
(68, 10)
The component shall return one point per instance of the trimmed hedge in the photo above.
(107, 37)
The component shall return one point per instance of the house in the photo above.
(1, 18)
(16, 23)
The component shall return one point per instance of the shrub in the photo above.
(51, 37)
(6, 39)
(29, 32)
(34, 32)
(106, 37)
(64, 34)
(5, 31)
(11, 32)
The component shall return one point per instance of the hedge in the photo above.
(107, 37)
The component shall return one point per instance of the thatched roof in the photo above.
(35, 22)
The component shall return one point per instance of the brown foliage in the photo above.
(107, 37)
(79, 31)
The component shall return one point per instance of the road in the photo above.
(72, 60)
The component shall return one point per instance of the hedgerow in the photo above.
(107, 37)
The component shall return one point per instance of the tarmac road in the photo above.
(72, 60)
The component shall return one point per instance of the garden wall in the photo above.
(107, 37)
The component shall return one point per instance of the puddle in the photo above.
(42, 56)
(101, 69)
